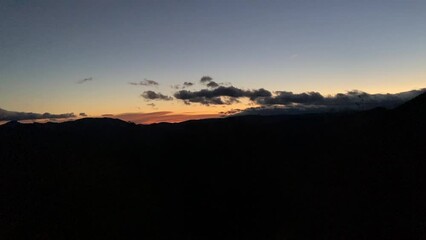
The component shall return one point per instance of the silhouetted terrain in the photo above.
(326, 176)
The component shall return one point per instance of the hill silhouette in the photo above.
(320, 176)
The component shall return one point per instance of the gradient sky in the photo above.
(47, 47)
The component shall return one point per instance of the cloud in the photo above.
(17, 116)
(151, 95)
(220, 95)
(82, 115)
(145, 82)
(212, 84)
(85, 80)
(205, 79)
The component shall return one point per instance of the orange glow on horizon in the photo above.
(163, 116)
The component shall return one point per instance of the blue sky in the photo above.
(326, 46)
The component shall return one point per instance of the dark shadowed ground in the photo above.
(325, 176)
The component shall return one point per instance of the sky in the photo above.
(130, 59)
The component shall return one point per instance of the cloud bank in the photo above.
(18, 116)
(283, 101)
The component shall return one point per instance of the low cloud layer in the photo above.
(151, 95)
(145, 82)
(18, 116)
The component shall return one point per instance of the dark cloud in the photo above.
(83, 115)
(212, 84)
(206, 79)
(151, 95)
(11, 116)
(145, 82)
(85, 80)
(214, 96)
(107, 115)
(151, 104)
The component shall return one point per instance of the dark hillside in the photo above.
(321, 176)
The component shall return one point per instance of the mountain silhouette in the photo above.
(415, 108)
(356, 175)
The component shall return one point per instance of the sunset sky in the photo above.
(103, 57)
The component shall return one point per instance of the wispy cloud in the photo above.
(85, 80)
(145, 82)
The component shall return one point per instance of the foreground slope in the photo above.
(345, 176)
